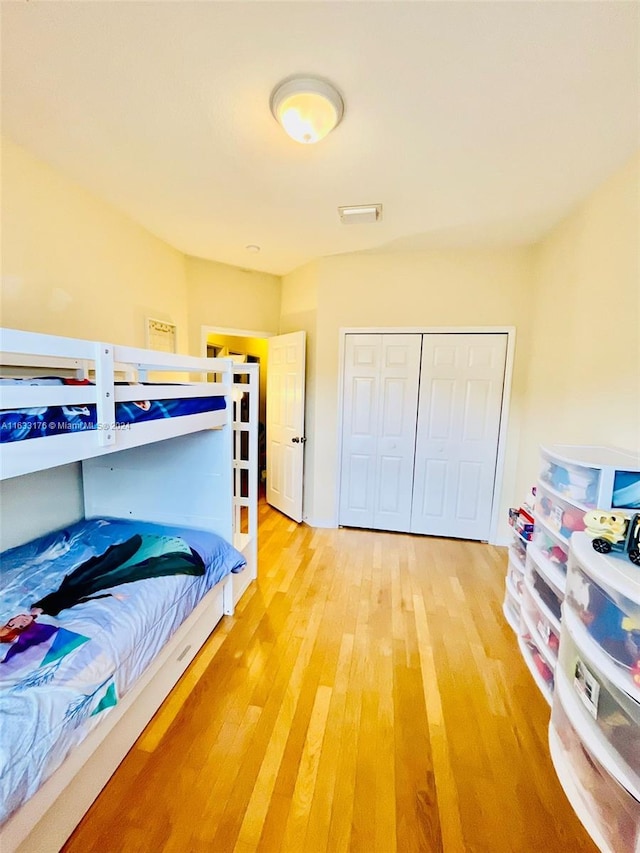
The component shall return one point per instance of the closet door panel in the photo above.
(461, 386)
(435, 472)
(381, 375)
(399, 379)
(360, 429)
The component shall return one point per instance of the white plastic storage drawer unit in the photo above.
(541, 624)
(511, 606)
(550, 547)
(547, 588)
(609, 716)
(604, 594)
(592, 477)
(515, 577)
(537, 661)
(609, 813)
(558, 515)
(518, 551)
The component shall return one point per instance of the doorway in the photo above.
(281, 408)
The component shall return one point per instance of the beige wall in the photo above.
(418, 289)
(229, 297)
(73, 265)
(583, 380)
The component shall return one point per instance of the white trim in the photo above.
(509, 331)
(338, 479)
(502, 433)
(328, 523)
(426, 330)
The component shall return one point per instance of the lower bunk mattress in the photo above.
(84, 611)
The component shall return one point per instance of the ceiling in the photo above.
(474, 123)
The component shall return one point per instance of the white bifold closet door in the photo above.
(379, 428)
(461, 387)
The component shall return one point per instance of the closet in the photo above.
(420, 428)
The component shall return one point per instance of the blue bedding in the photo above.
(58, 420)
(109, 594)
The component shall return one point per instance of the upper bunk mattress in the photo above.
(111, 594)
(58, 420)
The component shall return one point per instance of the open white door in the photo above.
(285, 423)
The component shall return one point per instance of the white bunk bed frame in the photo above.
(196, 470)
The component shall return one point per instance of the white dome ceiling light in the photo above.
(307, 108)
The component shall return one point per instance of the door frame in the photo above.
(509, 331)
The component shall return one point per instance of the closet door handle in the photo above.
(299, 439)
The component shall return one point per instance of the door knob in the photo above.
(299, 440)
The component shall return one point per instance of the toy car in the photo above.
(612, 531)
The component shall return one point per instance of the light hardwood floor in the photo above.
(368, 695)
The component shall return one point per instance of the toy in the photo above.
(565, 521)
(612, 629)
(572, 521)
(613, 531)
(522, 522)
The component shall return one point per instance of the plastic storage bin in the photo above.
(553, 549)
(557, 514)
(604, 594)
(537, 662)
(606, 712)
(548, 594)
(515, 578)
(592, 476)
(543, 627)
(577, 483)
(609, 812)
(518, 550)
(511, 607)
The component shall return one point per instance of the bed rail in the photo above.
(28, 354)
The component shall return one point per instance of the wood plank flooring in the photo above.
(368, 695)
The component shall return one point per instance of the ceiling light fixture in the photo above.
(307, 108)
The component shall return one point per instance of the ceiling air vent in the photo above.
(360, 214)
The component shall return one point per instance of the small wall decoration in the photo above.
(161, 335)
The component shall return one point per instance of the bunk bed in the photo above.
(164, 448)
